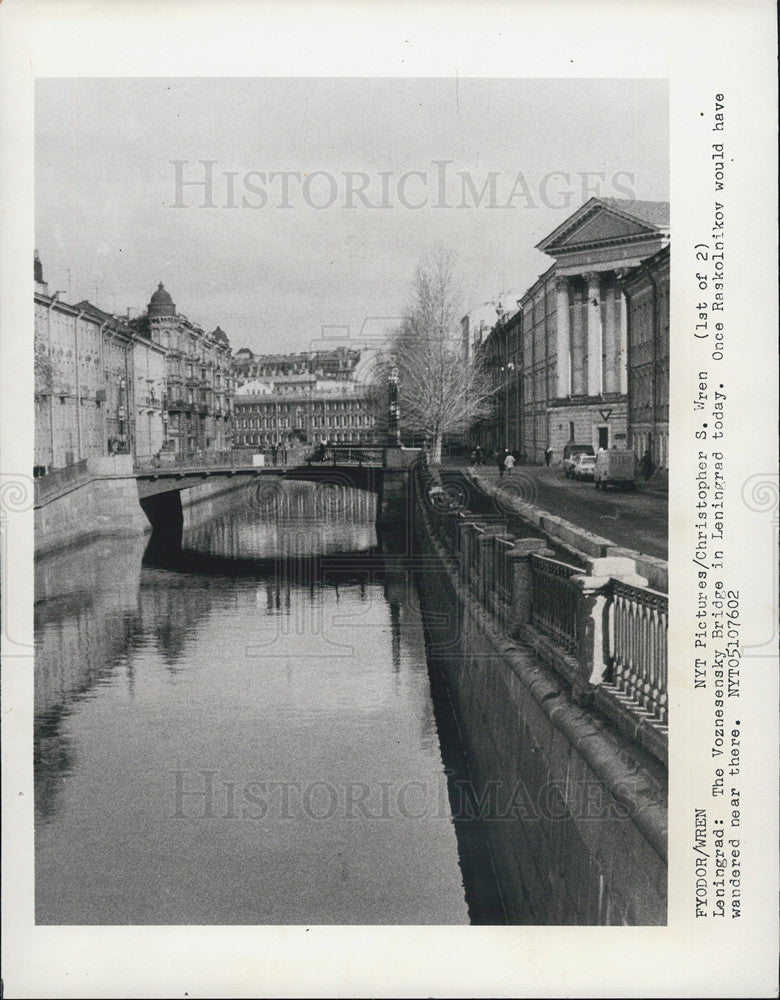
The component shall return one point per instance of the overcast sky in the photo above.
(281, 270)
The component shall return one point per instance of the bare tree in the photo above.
(441, 390)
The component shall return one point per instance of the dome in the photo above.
(161, 303)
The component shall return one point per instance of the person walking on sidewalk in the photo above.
(509, 462)
(500, 464)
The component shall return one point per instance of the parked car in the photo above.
(584, 466)
(570, 453)
(616, 467)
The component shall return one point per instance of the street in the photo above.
(636, 519)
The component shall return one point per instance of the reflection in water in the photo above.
(245, 735)
(279, 520)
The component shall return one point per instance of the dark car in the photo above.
(571, 453)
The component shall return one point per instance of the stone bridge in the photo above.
(111, 495)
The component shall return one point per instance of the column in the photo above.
(563, 339)
(610, 378)
(623, 305)
(594, 333)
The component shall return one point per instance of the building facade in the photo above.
(99, 386)
(560, 364)
(199, 378)
(337, 364)
(303, 410)
(500, 352)
(575, 331)
(646, 290)
(538, 310)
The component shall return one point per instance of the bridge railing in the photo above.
(600, 627)
(238, 458)
(346, 455)
(234, 458)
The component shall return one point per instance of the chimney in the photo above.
(40, 285)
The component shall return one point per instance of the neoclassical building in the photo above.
(304, 410)
(575, 338)
(199, 379)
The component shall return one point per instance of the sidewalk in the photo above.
(658, 484)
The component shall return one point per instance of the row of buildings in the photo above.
(584, 357)
(106, 385)
(160, 385)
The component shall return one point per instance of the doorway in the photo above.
(603, 437)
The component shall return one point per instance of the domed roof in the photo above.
(161, 303)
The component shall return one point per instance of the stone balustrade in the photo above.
(599, 625)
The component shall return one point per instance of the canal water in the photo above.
(244, 729)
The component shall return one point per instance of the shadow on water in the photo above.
(483, 897)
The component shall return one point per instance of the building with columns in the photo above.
(575, 334)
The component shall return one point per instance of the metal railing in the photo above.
(555, 606)
(638, 648)
(242, 458)
(346, 455)
(169, 461)
(607, 637)
(501, 546)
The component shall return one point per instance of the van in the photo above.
(616, 467)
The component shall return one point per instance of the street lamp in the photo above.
(393, 431)
(122, 411)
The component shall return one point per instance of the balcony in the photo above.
(178, 403)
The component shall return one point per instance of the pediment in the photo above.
(599, 223)
(603, 225)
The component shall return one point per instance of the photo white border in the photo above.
(702, 49)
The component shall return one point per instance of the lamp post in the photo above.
(122, 412)
(393, 431)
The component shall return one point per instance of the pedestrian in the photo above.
(500, 464)
(647, 465)
(548, 455)
(509, 462)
